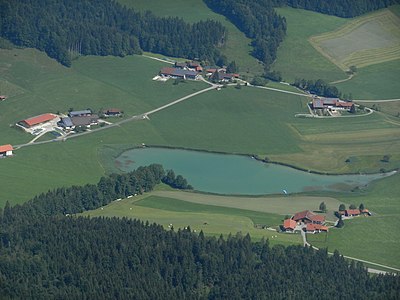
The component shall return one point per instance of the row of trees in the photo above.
(319, 87)
(66, 28)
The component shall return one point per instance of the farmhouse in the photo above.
(80, 113)
(66, 123)
(178, 73)
(41, 119)
(315, 228)
(289, 225)
(85, 120)
(330, 103)
(308, 217)
(6, 150)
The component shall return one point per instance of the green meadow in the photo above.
(246, 121)
(213, 220)
(297, 58)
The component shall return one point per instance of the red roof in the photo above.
(5, 148)
(352, 212)
(313, 227)
(306, 214)
(365, 210)
(39, 119)
(344, 104)
(289, 223)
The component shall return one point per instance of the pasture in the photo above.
(297, 58)
(212, 220)
(374, 82)
(366, 40)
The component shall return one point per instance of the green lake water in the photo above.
(235, 174)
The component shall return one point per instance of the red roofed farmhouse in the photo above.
(307, 216)
(315, 228)
(6, 150)
(289, 224)
(37, 120)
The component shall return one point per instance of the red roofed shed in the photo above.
(38, 120)
(352, 212)
(6, 150)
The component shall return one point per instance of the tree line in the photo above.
(76, 199)
(45, 254)
(258, 20)
(319, 87)
(67, 28)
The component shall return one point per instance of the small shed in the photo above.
(6, 150)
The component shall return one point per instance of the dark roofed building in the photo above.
(85, 120)
(77, 113)
(179, 73)
(112, 112)
(180, 65)
(66, 123)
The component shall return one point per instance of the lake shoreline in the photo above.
(253, 156)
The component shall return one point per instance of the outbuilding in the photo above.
(6, 150)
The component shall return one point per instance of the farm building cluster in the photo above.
(193, 70)
(330, 106)
(65, 123)
(306, 221)
(354, 212)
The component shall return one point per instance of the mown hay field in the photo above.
(367, 40)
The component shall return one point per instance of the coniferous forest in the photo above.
(64, 28)
(47, 254)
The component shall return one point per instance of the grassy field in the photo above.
(378, 81)
(297, 58)
(213, 220)
(366, 40)
(36, 84)
(237, 46)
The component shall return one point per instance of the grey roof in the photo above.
(66, 122)
(84, 120)
(80, 112)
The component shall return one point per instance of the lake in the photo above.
(237, 174)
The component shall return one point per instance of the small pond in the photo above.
(236, 174)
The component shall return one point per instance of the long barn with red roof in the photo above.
(37, 120)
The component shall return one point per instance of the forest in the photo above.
(65, 29)
(47, 254)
